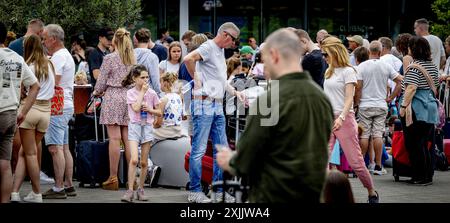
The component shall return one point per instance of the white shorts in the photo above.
(140, 133)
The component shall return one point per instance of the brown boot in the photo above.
(111, 184)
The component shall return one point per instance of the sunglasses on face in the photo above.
(232, 37)
(324, 54)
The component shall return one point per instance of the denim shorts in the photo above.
(58, 130)
(140, 133)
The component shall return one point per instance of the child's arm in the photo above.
(138, 104)
(159, 118)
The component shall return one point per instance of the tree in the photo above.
(74, 16)
(441, 27)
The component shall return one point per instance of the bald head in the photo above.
(286, 43)
(281, 53)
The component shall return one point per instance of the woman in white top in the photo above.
(339, 86)
(172, 64)
(37, 121)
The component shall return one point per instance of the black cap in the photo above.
(106, 32)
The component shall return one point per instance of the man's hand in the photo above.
(242, 98)
(223, 157)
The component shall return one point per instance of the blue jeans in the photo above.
(208, 119)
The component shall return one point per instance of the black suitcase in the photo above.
(85, 126)
(92, 161)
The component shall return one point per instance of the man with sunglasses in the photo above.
(207, 66)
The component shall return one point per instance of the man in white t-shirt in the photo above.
(371, 98)
(387, 57)
(208, 68)
(57, 136)
(13, 72)
(421, 27)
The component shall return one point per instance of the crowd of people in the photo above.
(320, 93)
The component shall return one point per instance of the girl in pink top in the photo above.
(141, 101)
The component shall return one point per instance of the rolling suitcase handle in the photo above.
(93, 99)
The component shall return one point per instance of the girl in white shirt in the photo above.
(172, 64)
(36, 122)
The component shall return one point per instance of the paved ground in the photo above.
(390, 192)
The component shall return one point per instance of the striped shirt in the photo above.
(415, 77)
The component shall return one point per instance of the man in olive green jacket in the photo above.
(284, 156)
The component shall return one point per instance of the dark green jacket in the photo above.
(287, 162)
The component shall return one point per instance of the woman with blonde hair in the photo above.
(33, 128)
(339, 86)
(114, 114)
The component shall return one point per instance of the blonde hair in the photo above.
(171, 78)
(34, 54)
(124, 46)
(197, 40)
(337, 53)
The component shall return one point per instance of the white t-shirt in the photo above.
(375, 75)
(47, 86)
(437, 49)
(13, 72)
(447, 66)
(212, 70)
(65, 67)
(334, 87)
(393, 61)
(169, 67)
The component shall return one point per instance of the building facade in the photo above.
(258, 18)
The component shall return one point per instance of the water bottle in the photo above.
(143, 117)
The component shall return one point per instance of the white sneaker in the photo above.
(155, 172)
(371, 167)
(380, 172)
(15, 197)
(228, 198)
(198, 197)
(45, 179)
(33, 198)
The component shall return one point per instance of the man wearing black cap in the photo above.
(95, 58)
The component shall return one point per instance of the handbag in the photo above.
(57, 101)
(441, 109)
(399, 152)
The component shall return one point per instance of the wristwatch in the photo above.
(342, 117)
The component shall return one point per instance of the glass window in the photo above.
(329, 15)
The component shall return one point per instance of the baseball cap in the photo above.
(357, 39)
(106, 32)
(247, 50)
